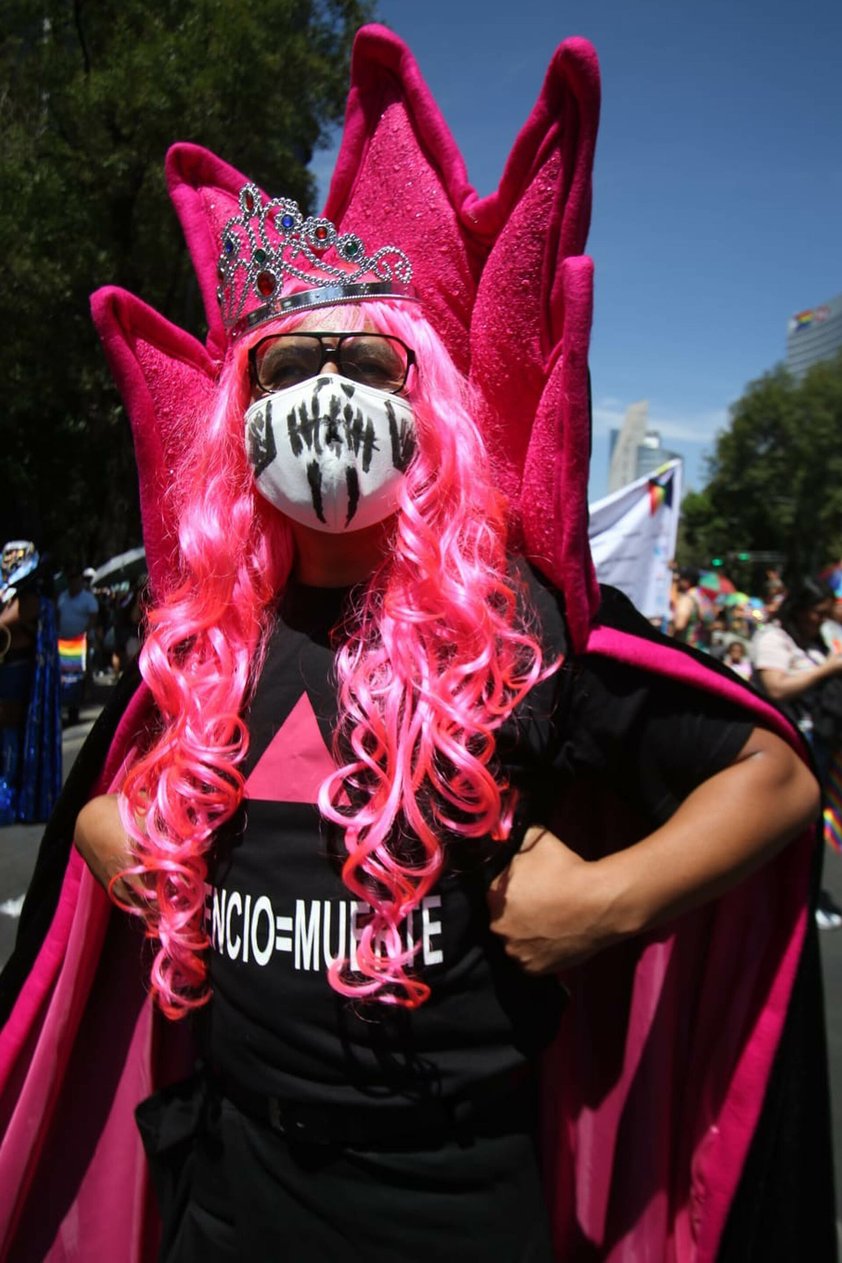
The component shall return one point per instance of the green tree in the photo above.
(775, 479)
(91, 96)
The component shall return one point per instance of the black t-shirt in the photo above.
(279, 913)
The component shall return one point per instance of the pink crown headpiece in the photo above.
(503, 281)
(271, 243)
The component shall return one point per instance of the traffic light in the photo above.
(717, 561)
(744, 556)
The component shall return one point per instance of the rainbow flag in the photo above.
(660, 491)
(71, 656)
(803, 319)
(833, 803)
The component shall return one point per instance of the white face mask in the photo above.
(330, 453)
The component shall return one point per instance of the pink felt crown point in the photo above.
(168, 381)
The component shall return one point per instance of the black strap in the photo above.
(500, 1103)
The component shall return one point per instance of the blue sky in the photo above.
(718, 180)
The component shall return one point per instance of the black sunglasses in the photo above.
(372, 359)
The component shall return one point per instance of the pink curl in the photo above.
(202, 654)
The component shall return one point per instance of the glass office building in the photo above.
(814, 334)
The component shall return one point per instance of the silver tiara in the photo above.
(270, 242)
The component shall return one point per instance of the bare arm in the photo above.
(104, 845)
(683, 612)
(554, 909)
(20, 618)
(782, 686)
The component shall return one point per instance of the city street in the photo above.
(18, 848)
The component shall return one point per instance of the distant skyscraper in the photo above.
(650, 454)
(814, 335)
(624, 449)
(635, 450)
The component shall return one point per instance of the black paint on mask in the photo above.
(402, 437)
(314, 478)
(260, 440)
(312, 427)
(352, 482)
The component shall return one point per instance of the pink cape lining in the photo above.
(647, 1131)
(626, 1178)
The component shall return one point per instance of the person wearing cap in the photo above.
(360, 807)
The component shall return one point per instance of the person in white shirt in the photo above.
(793, 664)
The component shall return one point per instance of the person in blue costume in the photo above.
(30, 732)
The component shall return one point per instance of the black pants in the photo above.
(255, 1196)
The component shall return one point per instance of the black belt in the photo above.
(497, 1104)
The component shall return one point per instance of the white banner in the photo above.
(633, 533)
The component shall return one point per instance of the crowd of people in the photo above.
(788, 643)
(718, 618)
(118, 629)
(57, 634)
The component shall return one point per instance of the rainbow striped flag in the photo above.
(71, 655)
(661, 490)
(833, 803)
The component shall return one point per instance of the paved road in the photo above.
(18, 845)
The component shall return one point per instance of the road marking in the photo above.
(12, 907)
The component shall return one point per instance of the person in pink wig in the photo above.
(395, 766)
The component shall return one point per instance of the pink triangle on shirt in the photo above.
(296, 761)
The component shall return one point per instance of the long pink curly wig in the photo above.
(438, 656)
